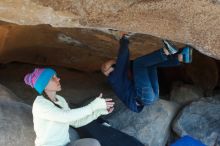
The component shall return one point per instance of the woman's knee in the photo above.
(87, 142)
(95, 142)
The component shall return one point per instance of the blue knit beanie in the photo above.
(39, 78)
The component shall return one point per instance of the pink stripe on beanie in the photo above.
(31, 78)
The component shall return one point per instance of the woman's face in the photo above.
(54, 84)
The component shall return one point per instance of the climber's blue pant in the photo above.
(143, 86)
(145, 74)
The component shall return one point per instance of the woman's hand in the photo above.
(109, 103)
(110, 110)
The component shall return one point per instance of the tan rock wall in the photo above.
(195, 22)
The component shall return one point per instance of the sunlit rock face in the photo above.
(195, 22)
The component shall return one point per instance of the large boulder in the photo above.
(195, 22)
(151, 126)
(7, 95)
(201, 120)
(16, 124)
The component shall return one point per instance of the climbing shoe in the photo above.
(170, 47)
(187, 54)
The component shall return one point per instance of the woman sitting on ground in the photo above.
(52, 116)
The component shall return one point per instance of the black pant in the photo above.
(107, 136)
